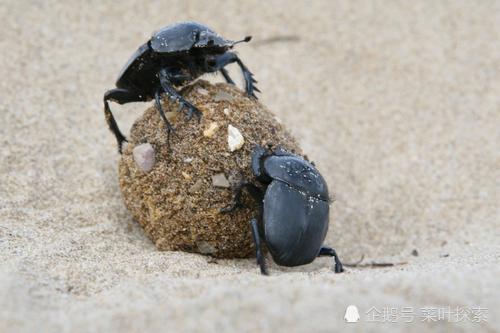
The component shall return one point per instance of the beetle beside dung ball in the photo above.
(292, 220)
(294, 202)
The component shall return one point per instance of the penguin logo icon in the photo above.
(351, 314)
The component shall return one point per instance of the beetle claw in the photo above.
(190, 110)
(120, 144)
(328, 251)
(170, 130)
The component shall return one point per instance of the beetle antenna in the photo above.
(246, 40)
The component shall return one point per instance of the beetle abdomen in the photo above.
(134, 65)
(295, 224)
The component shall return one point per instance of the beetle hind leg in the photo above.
(328, 251)
(261, 260)
(120, 96)
(168, 125)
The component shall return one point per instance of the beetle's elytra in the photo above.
(175, 55)
(294, 201)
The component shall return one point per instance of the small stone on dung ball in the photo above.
(220, 180)
(234, 138)
(210, 131)
(196, 186)
(223, 96)
(144, 156)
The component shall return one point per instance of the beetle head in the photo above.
(259, 154)
(210, 39)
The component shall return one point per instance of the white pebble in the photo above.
(234, 138)
(220, 180)
(144, 156)
(223, 96)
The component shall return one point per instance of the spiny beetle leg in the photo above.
(249, 79)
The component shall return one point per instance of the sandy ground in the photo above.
(398, 103)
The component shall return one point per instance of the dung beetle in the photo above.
(174, 56)
(293, 218)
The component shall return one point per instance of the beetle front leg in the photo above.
(169, 127)
(328, 251)
(225, 73)
(261, 260)
(175, 96)
(249, 80)
(230, 57)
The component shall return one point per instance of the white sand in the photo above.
(398, 104)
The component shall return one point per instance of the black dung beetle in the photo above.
(294, 200)
(175, 55)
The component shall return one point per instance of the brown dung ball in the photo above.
(176, 191)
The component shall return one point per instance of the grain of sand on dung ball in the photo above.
(176, 191)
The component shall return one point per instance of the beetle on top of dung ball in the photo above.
(174, 56)
(292, 196)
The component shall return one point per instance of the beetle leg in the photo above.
(120, 96)
(225, 73)
(169, 127)
(259, 154)
(249, 80)
(328, 251)
(230, 57)
(175, 96)
(254, 191)
(261, 260)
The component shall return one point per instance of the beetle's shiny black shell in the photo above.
(295, 224)
(296, 208)
(185, 35)
(139, 73)
(138, 67)
(297, 172)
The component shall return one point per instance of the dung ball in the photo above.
(175, 186)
